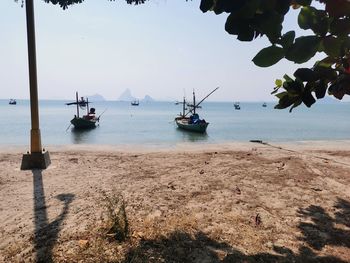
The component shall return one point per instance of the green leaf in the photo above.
(320, 89)
(338, 8)
(296, 104)
(282, 6)
(284, 100)
(306, 74)
(308, 99)
(267, 5)
(248, 10)
(218, 7)
(340, 87)
(287, 78)
(332, 46)
(294, 87)
(206, 5)
(326, 73)
(268, 56)
(239, 27)
(340, 27)
(282, 94)
(246, 35)
(278, 83)
(287, 39)
(303, 2)
(228, 6)
(326, 62)
(314, 19)
(303, 49)
(270, 24)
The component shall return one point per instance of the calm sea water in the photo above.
(152, 123)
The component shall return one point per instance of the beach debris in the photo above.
(83, 243)
(258, 219)
(73, 160)
(201, 171)
(258, 141)
(316, 189)
(281, 166)
(238, 191)
(171, 186)
(138, 235)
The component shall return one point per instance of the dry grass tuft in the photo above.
(116, 222)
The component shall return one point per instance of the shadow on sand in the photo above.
(319, 230)
(181, 247)
(199, 248)
(324, 229)
(46, 233)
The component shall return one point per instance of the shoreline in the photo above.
(343, 145)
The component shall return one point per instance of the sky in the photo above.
(164, 49)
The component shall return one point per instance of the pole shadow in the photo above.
(45, 233)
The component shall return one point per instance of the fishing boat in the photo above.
(237, 105)
(135, 103)
(87, 121)
(192, 122)
(12, 102)
(264, 105)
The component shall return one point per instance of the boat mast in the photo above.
(183, 108)
(206, 97)
(194, 106)
(76, 96)
(87, 106)
(194, 103)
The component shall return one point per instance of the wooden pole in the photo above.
(37, 158)
(35, 137)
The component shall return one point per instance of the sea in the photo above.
(152, 123)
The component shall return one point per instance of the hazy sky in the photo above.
(161, 48)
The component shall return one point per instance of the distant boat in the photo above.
(135, 103)
(193, 122)
(264, 105)
(89, 120)
(12, 102)
(237, 106)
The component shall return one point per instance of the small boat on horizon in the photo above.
(135, 103)
(264, 104)
(12, 102)
(192, 123)
(87, 121)
(237, 105)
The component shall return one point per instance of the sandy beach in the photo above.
(238, 202)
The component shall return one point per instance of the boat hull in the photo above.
(80, 123)
(183, 123)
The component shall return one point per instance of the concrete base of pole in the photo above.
(38, 160)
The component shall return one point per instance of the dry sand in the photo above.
(240, 202)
